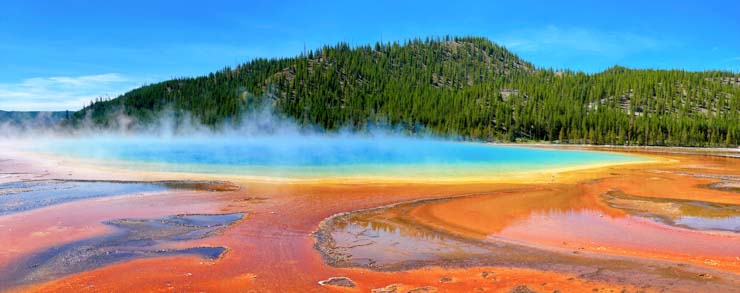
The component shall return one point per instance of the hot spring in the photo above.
(311, 157)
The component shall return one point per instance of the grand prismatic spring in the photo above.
(370, 146)
(350, 213)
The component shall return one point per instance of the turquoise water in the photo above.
(317, 156)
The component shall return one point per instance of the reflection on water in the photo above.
(559, 218)
(404, 235)
(596, 231)
(22, 196)
(377, 242)
(413, 235)
(132, 238)
(691, 214)
(731, 223)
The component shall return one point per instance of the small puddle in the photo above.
(133, 238)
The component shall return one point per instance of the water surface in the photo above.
(132, 238)
(27, 195)
(324, 156)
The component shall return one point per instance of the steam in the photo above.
(264, 143)
(258, 122)
(267, 136)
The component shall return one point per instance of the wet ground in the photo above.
(41, 245)
(32, 194)
(392, 239)
(590, 228)
(690, 214)
(132, 238)
(630, 228)
(27, 195)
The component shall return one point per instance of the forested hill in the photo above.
(467, 87)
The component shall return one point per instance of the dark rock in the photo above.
(423, 289)
(522, 289)
(338, 281)
(393, 288)
(487, 274)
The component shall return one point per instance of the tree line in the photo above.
(466, 87)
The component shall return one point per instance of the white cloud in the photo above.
(62, 92)
(605, 43)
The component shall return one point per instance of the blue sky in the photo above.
(58, 55)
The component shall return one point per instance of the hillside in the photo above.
(467, 87)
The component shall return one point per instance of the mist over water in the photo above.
(263, 144)
(308, 156)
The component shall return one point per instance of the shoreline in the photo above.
(422, 231)
(92, 170)
(272, 249)
(326, 246)
(678, 150)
